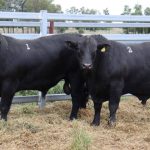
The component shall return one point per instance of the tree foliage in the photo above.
(137, 10)
(147, 11)
(127, 10)
(82, 10)
(37, 5)
(106, 11)
(2, 4)
(12, 5)
(29, 5)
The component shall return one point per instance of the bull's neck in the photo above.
(101, 66)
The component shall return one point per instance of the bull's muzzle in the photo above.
(87, 66)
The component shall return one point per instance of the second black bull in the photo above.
(38, 65)
(113, 69)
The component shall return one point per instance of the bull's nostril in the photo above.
(87, 66)
(90, 66)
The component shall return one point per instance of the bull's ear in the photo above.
(102, 42)
(103, 48)
(71, 44)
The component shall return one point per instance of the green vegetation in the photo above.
(27, 109)
(81, 140)
(58, 89)
(30, 127)
(37, 5)
(26, 92)
(29, 5)
(20, 125)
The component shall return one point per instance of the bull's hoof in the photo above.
(144, 106)
(83, 107)
(112, 124)
(3, 119)
(143, 103)
(72, 118)
(95, 123)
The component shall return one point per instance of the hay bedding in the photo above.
(29, 128)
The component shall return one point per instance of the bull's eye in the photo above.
(80, 52)
(103, 50)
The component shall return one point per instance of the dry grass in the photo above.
(28, 128)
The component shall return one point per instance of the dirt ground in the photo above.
(29, 128)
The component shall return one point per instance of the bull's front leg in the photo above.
(116, 88)
(77, 85)
(85, 97)
(75, 108)
(97, 109)
(7, 92)
(77, 96)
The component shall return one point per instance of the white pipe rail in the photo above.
(26, 19)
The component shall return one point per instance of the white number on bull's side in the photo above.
(129, 49)
(28, 48)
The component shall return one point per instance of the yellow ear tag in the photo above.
(103, 49)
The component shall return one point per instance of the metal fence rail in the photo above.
(42, 20)
(34, 98)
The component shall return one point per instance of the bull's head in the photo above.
(87, 49)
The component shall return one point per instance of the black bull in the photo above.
(38, 65)
(115, 69)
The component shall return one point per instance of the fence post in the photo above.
(43, 22)
(41, 100)
(51, 26)
(43, 32)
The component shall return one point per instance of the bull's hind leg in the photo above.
(7, 92)
(144, 100)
